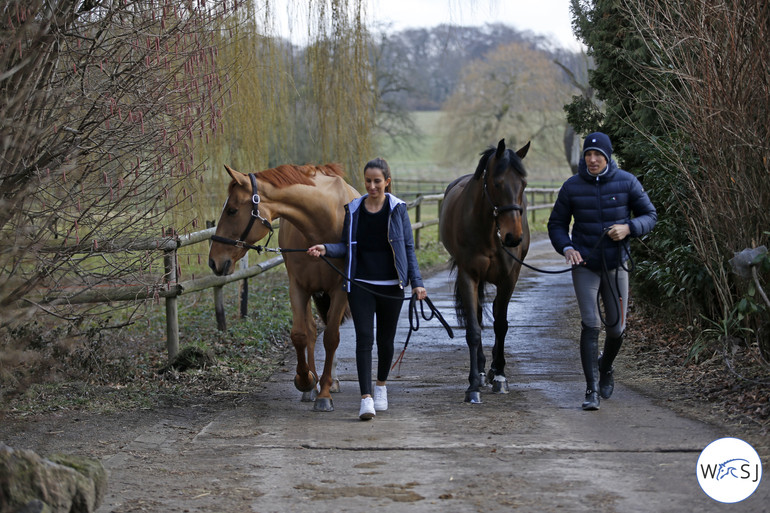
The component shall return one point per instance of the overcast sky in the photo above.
(549, 18)
(544, 17)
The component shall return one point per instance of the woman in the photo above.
(600, 200)
(380, 261)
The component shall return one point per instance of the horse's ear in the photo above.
(523, 151)
(482, 164)
(235, 175)
(500, 149)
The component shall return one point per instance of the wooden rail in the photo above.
(548, 193)
(170, 289)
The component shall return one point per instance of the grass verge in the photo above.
(45, 368)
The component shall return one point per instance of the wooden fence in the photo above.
(171, 288)
(548, 195)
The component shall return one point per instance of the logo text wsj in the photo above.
(737, 468)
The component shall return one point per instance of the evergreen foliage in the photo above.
(684, 97)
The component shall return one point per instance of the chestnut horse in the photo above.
(483, 221)
(310, 202)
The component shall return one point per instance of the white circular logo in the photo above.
(729, 470)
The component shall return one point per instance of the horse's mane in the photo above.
(487, 154)
(290, 174)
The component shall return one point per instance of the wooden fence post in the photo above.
(219, 308)
(532, 202)
(244, 263)
(172, 315)
(219, 297)
(417, 215)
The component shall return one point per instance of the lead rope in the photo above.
(604, 270)
(621, 315)
(414, 324)
(414, 320)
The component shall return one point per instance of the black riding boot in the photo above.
(606, 380)
(589, 357)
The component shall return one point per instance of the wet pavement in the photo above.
(533, 449)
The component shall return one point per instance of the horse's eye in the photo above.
(231, 211)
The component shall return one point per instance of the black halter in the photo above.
(496, 211)
(241, 242)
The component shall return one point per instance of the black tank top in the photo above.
(374, 254)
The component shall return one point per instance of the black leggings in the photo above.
(364, 306)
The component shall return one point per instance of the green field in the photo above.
(545, 163)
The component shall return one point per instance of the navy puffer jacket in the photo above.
(595, 203)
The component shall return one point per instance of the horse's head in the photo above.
(503, 180)
(244, 219)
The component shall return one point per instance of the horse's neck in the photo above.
(480, 211)
(313, 210)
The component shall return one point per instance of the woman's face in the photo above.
(595, 161)
(375, 182)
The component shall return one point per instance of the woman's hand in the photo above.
(573, 257)
(317, 250)
(420, 292)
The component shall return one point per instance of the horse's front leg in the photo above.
(312, 335)
(303, 339)
(468, 300)
(331, 342)
(335, 388)
(481, 360)
(476, 373)
(500, 312)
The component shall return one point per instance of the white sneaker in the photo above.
(367, 409)
(380, 398)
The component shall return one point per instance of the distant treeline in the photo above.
(426, 63)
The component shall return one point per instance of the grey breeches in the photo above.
(610, 286)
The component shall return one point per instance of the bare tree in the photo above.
(516, 91)
(708, 82)
(579, 80)
(341, 83)
(103, 103)
(393, 68)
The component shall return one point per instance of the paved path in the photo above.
(533, 449)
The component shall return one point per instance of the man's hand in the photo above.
(619, 231)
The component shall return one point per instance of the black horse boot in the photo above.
(606, 379)
(589, 352)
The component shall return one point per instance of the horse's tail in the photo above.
(460, 309)
(482, 295)
(323, 301)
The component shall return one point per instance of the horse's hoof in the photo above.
(500, 385)
(473, 397)
(311, 383)
(323, 404)
(309, 397)
(483, 380)
(335, 388)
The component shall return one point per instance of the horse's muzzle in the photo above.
(225, 267)
(510, 241)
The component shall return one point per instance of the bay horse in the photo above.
(310, 202)
(482, 222)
